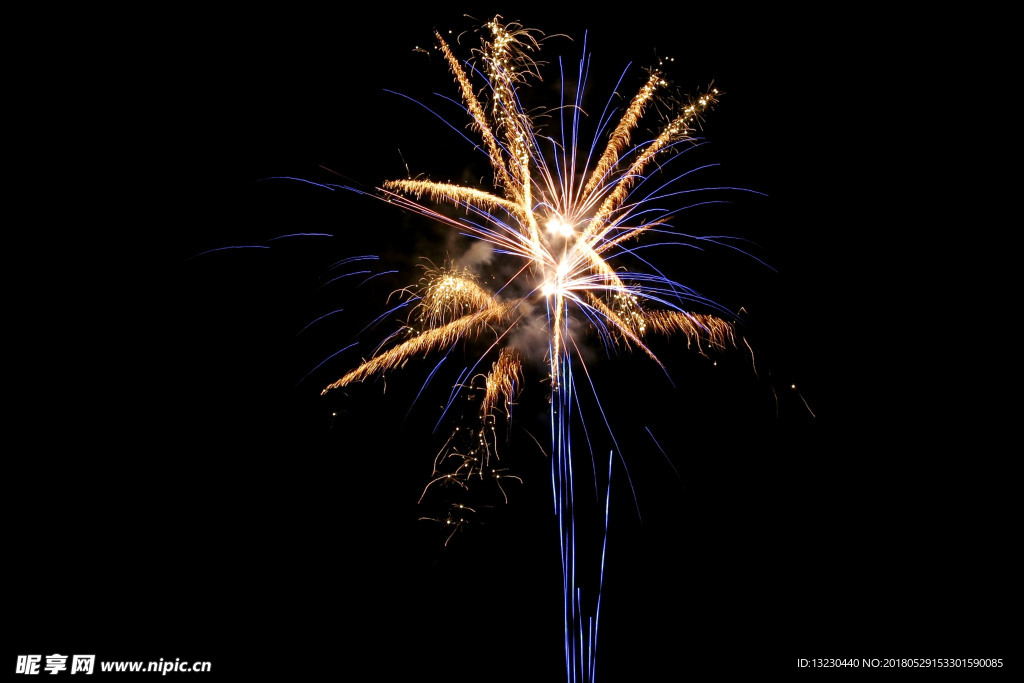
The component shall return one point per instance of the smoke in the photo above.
(479, 254)
(532, 336)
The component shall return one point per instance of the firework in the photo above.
(572, 220)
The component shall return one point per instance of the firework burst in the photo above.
(572, 220)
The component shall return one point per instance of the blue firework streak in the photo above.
(572, 221)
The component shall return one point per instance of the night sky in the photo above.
(181, 489)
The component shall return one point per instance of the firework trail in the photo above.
(573, 220)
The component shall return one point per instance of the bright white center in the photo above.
(556, 226)
(557, 283)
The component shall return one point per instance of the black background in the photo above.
(180, 489)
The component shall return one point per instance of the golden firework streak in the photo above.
(501, 382)
(477, 112)
(678, 129)
(426, 342)
(447, 295)
(455, 194)
(620, 138)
